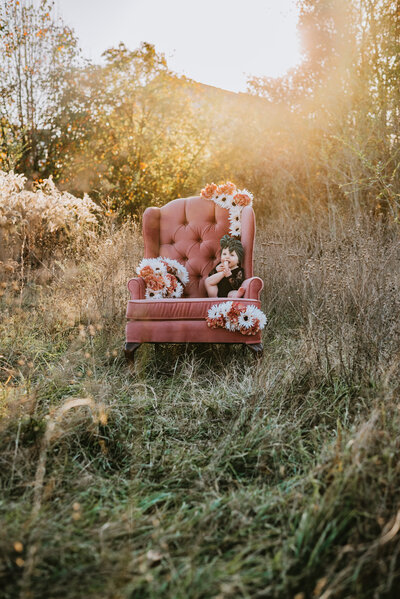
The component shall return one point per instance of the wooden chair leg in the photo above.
(130, 349)
(256, 349)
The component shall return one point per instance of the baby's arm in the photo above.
(218, 276)
(212, 281)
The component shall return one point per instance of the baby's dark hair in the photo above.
(233, 244)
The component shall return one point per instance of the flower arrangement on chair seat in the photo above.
(234, 316)
(163, 277)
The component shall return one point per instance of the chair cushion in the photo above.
(183, 331)
(177, 309)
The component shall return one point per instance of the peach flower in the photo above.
(242, 199)
(208, 191)
(227, 188)
(146, 271)
(172, 283)
(154, 282)
(234, 313)
(169, 268)
(215, 323)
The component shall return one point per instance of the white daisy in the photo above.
(224, 200)
(224, 308)
(183, 275)
(263, 320)
(234, 216)
(235, 211)
(218, 310)
(180, 271)
(231, 326)
(151, 294)
(213, 312)
(252, 316)
(158, 267)
(171, 262)
(143, 263)
(235, 230)
(178, 291)
(257, 313)
(246, 320)
(247, 193)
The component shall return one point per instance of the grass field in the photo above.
(200, 473)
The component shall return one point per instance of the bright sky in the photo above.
(218, 42)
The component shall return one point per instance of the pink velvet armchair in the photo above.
(189, 230)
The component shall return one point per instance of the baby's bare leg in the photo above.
(238, 293)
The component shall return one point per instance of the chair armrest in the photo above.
(137, 288)
(252, 288)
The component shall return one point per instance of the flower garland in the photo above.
(228, 196)
(163, 277)
(234, 316)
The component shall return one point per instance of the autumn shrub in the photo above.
(40, 223)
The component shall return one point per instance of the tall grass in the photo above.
(199, 473)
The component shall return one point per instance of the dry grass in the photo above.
(198, 474)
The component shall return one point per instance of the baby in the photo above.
(226, 278)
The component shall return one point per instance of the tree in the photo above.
(35, 52)
(129, 130)
(345, 98)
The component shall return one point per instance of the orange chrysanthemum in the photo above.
(227, 188)
(154, 282)
(208, 191)
(173, 282)
(242, 199)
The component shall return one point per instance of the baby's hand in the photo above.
(220, 267)
(227, 270)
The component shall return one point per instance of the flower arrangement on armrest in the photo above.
(228, 196)
(234, 316)
(163, 277)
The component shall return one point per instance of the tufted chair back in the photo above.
(189, 230)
